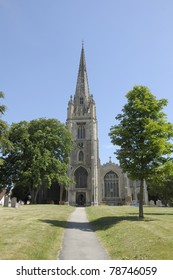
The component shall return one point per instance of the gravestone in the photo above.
(151, 202)
(2, 201)
(6, 201)
(14, 202)
(159, 203)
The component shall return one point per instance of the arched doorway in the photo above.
(81, 178)
(80, 198)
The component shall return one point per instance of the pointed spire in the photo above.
(82, 88)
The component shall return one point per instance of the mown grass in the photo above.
(32, 232)
(126, 237)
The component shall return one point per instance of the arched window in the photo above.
(81, 132)
(81, 176)
(111, 185)
(81, 156)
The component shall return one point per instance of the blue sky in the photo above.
(127, 43)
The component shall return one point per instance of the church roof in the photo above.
(82, 87)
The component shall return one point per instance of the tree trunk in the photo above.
(141, 213)
(61, 193)
(34, 195)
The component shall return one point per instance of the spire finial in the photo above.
(82, 44)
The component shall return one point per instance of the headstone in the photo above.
(2, 201)
(6, 201)
(159, 203)
(14, 202)
(151, 202)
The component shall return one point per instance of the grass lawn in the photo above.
(125, 237)
(32, 232)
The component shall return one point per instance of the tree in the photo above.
(2, 107)
(39, 156)
(162, 190)
(143, 135)
(160, 184)
(4, 142)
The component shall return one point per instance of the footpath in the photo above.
(80, 241)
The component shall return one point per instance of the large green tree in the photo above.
(143, 135)
(40, 155)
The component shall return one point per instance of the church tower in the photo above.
(84, 159)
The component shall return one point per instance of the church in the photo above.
(93, 183)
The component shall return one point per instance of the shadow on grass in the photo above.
(159, 214)
(102, 223)
(86, 226)
(107, 222)
(155, 214)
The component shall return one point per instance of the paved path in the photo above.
(80, 242)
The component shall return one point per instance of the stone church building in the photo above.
(93, 183)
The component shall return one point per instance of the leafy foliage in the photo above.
(2, 107)
(39, 156)
(4, 142)
(143, 135)
(160, 184)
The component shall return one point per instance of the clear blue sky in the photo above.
(127, 43)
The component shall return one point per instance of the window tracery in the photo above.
(111, 185)
(81, 132)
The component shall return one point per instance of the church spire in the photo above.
(82, 88)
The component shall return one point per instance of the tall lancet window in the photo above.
(81, 156)
(81, 132)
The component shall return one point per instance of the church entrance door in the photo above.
(80, 198)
